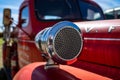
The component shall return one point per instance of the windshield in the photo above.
(66, 9)
(56, 9)
(90, 11)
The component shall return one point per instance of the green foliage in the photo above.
(1, 42)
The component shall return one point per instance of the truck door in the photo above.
(23, 36)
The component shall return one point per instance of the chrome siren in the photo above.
(62, 42)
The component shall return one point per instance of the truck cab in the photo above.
(68, 32)
(38, 16)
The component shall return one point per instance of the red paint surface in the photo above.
(101, 47)
(36, 71)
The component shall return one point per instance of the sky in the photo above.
(12, 4)
(15, 4)
(107, 4)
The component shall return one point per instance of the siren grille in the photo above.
(62, 42)
(67, 43)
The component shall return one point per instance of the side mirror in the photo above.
(23, 21)
(7, 17)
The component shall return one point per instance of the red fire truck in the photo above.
(61, 40)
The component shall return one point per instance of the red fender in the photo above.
(36, 71)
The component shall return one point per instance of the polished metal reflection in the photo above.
(62, 42)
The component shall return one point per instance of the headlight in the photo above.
(62, 42)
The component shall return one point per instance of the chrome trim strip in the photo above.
(103, 39)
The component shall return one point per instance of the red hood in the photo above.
(36, 71)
